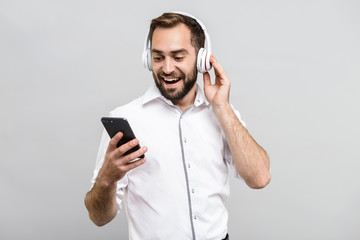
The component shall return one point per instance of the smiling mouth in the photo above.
(171, 80)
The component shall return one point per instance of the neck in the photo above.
(186, 101)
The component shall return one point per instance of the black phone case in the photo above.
(115, 125)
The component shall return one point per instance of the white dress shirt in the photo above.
(180, 191)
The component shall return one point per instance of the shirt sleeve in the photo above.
(122, 183)
(227, 153)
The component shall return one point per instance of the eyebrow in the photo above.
(182, 50)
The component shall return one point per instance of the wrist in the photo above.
(222, 109)
(104, 184)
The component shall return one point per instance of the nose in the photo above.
(168, 66)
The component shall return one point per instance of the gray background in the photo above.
(295, 71)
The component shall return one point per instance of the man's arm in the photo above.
(101, 203)
(251, 161)
(101, 199)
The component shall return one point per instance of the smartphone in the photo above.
(115, 125)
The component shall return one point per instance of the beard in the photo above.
(173, 94)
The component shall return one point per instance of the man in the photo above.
(189, 137)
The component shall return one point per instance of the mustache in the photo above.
(172, 74)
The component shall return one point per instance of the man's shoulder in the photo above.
(137, 104)
(127, 108)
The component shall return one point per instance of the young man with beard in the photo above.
(189, 136)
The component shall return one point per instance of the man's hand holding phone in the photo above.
(116, 164)
(101, 199)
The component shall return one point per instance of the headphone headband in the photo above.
(203, 57)
(207, 37)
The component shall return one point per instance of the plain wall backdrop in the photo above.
(295, 71)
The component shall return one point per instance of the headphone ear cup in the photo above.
(148, 54)
(200, 60)
(144, 58)
(203, 61)
(208, 65)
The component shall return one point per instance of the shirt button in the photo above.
(195, 217)
(188, 165)
(193, 190)
(185, 140)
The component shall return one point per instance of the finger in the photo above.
(219, 70)
(134, 164)
(114, 141)
(207, 79)
(126, 147)
(221, 77)
(134, 155)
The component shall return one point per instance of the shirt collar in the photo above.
(153, 93)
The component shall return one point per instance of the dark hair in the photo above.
(169, 20)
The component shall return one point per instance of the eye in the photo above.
(157, 59)
(178, 59)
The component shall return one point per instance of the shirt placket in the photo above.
(189, 170)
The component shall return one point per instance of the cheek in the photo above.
(155, 66)
(156, 69)
(187, 67)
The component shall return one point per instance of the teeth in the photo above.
(171, 79)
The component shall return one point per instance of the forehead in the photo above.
(171, 39)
